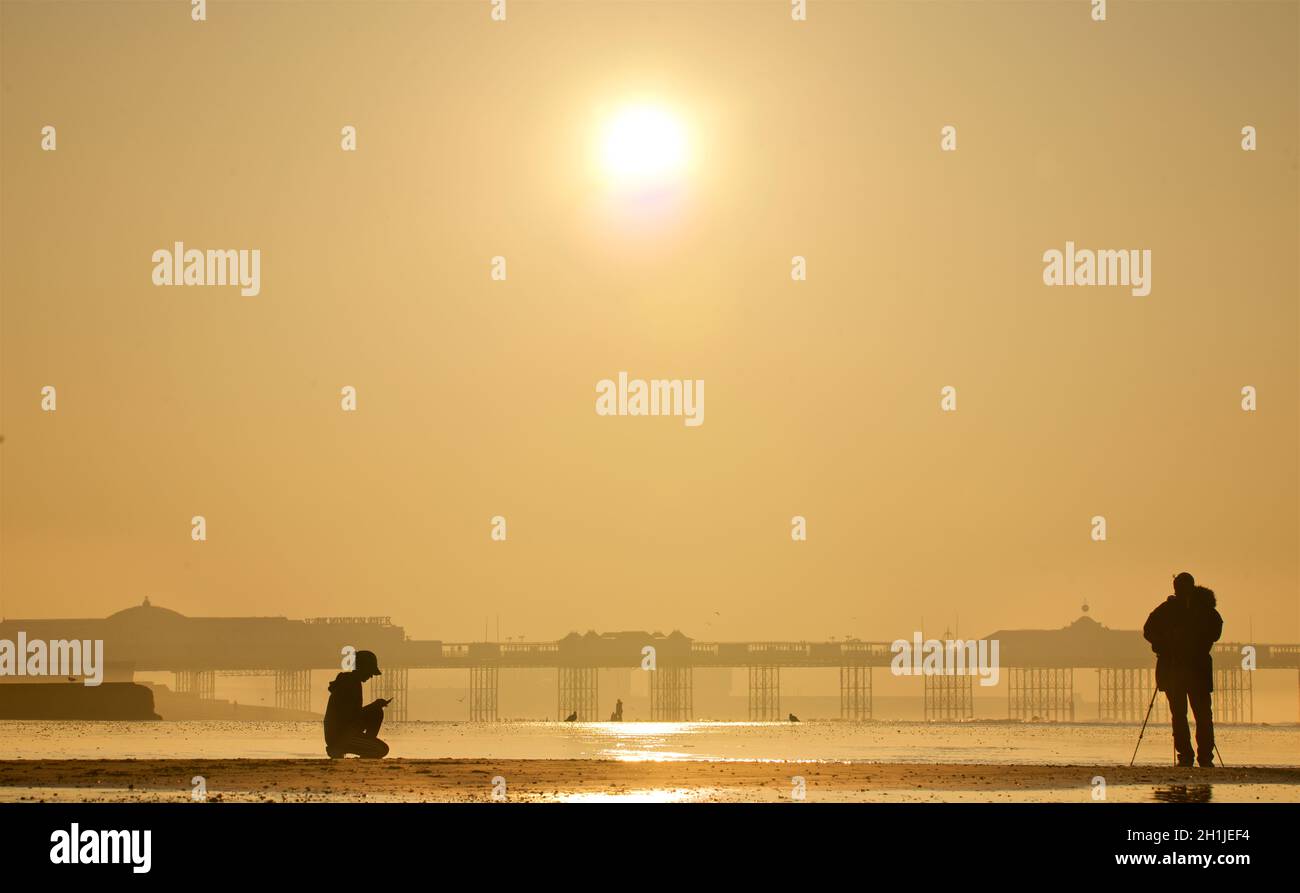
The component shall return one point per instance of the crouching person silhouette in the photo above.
(349, 727)
(1182, 630)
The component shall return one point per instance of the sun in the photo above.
(643, 145)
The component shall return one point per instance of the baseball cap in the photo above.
(367, 662)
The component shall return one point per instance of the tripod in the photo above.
(1144, 730)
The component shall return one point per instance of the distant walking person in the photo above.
(349, 727)
(1182, 630)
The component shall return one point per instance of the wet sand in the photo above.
(461, 780)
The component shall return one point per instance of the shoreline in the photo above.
(552, 780)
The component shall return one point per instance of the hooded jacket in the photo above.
(1182, 630)
(343, 712)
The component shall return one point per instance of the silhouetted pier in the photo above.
(1039, 664)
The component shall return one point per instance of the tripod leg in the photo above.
(1144, 726)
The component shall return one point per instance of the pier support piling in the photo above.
(578, 692)
(293, 689)
(672, 694)
(483, 688)
(855, 692)
(1041, 694)
(949, 697)
(1123, 695)
(392, 684)
(765, 694)
(197, 682)
(1234, 696)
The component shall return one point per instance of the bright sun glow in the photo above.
(643, 145)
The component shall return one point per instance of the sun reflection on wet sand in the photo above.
(661, 741)
(642, 741)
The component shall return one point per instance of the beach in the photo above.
(891, 762)
(469, 781)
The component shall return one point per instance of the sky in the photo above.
(478, 139)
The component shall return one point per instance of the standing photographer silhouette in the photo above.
(1182, 630)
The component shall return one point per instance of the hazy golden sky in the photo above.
(475, 397)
